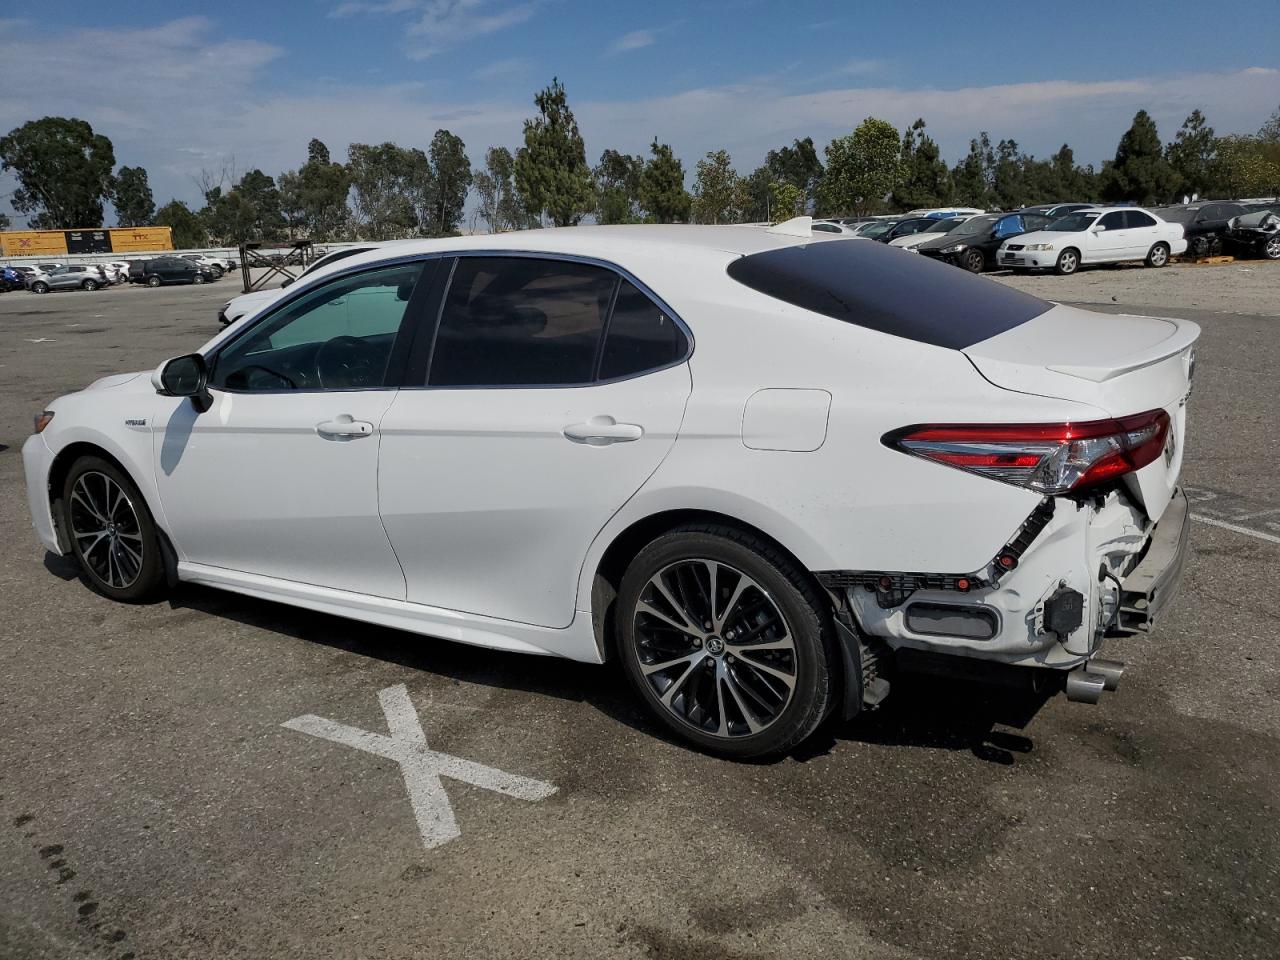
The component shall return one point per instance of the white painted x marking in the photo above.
(421, 766)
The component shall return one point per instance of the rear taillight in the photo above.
(1052, 458)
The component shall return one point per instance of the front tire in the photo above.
(90, 285)
(973, 261)
(112, 533)
(153, 281)
(1271, 249)
(1158, 255)
(39, 287)
(726, 641)
(198, 278)
(1068, 262)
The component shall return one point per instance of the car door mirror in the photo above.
(185, 376)
(1097, 229)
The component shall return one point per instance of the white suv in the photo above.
(758, 469)
(1104, 235)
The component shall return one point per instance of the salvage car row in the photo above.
(153, 272)
(1064, 237)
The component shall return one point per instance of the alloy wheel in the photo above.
(1158, 256)
(1272, 248)
(714, 648)
(105, 527)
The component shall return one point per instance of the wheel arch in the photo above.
(607, 571)
(60, 467)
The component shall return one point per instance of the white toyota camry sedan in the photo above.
(759, 468)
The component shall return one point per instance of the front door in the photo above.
(1111, 243)
(279, 477)
(531, 429)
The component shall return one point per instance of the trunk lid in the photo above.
(1120, 364)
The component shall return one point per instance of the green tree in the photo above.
(862, 168)
(1246, 167)
(498, 204)
(63, 170)
(719, 194)
(926, 181)
(662, 194)
(1140, 173)
(314, 197)
(251, 210)
(758, 194)
(799, 165)
(617, 187)
(1009, 186)
(551, 170)
(1190, 155)
(972, 176)
(382, 178)
(786, 200)
(4, 221)
(450, 182)
(132, 198)
(188, 228)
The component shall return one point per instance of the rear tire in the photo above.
(1271, 249)
(153, 281)
(1068, 262)
(1158, 255)
(717, 692)
(113, 535)
(973, 261)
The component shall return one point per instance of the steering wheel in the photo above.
(346, 362)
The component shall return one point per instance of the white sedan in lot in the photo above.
(757, 467)
(1104, 235)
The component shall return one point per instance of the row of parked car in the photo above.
(153, 272)
(1065, 236)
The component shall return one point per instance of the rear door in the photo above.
(551, 391)
(1143, 232)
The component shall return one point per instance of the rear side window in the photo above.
(520, 321)
(1136, 218)
(878, 287)
(641, 336)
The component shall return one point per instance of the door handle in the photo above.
(602, 431)
(344, 427)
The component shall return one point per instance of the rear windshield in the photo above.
(886, 289)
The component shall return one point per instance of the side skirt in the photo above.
(575, 642)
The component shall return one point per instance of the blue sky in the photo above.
(183, 87)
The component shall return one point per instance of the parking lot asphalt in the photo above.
(153, 804)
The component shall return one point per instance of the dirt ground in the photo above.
(1244, 287)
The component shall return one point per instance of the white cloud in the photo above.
(386, 6)
(445, 23)
(859, 67)
(200, 102)
(634, 40)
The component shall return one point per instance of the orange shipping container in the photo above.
(33, 243)
(141, 239)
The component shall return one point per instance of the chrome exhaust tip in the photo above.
(1085, 687)
(1109, 670)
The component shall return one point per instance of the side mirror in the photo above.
(1097, 229)
(185, 376)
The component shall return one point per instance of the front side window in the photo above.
(335, 337)
(1113, 221)
(520, 321)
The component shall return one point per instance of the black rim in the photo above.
(714, 648)
(106, 531)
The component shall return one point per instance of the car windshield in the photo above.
(944, 226)
(1073, 223)
(975, 226)
(877, 228)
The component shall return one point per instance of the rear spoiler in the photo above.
(1182, 338)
